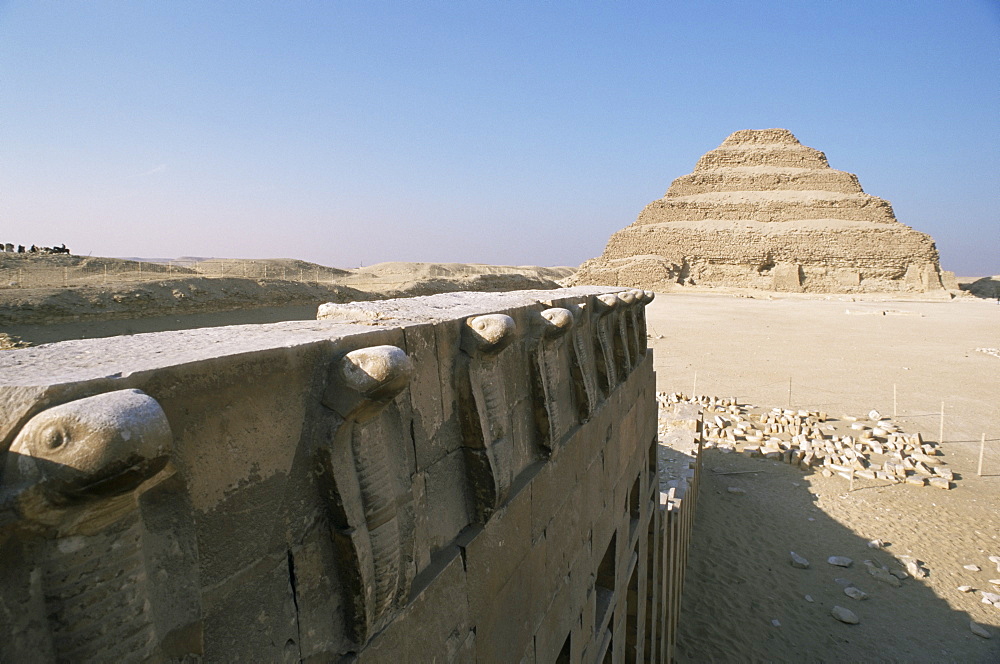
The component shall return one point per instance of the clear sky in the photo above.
(510, 132)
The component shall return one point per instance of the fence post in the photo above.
(982, 447)
(941, 429)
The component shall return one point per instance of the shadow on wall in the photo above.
(751, 515)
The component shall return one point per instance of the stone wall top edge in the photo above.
(110, 357)
(449, 306)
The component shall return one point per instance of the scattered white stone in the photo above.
(842, 582)
(972, 568)
(979, 630)
(737, 490)
(899, 574)
(799, 561)
(845, 615)
(809, 598)
(965, 589)
(840, 561)
(874, 415)
(776, 622)
(995, 582)
(855, 593)
(939, 482)
(990, 598)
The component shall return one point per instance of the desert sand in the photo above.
(843, 357)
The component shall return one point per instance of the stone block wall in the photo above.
(462, 477)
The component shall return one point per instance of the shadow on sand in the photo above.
(739, 579)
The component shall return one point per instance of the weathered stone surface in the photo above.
(799, 561)
(764, 211)
(840, 561)
(855, 593)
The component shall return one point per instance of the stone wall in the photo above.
(462, 477)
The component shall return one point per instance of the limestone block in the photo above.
(787, 278)
(259, 595)
(434, 625)
(557, 625)
(493, 552)
(431, 439)
(565, 534)
(317, 594)
(555, 483)
(445, 510)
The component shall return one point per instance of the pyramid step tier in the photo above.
(794, 156)
(764, 178)
(772, 207)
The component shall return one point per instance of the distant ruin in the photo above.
(764, 211)
(9, 248)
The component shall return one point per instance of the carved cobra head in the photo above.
(98, 446)
(557, 322)
(490, 333)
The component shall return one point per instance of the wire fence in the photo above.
(90, 272)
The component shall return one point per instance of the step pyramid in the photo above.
(764, 211)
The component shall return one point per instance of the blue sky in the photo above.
(497, 132)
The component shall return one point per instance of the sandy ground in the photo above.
(842, 357)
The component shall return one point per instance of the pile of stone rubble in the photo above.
(873, 448)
